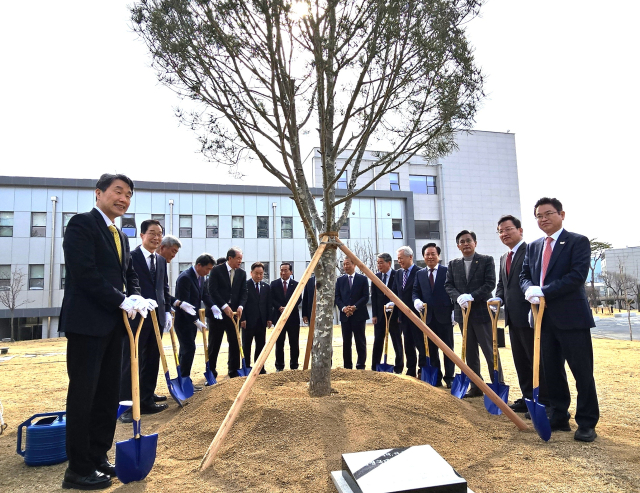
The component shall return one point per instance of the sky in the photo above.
(78, 98)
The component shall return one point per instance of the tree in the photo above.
(9, 296)
(262, 74)
(364, 251)
(597, 253)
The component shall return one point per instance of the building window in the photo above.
(5, 277)
(36, 276)
(287, 227)
(396, 227)
(428, 229)
(263, 226)
(63, 275)
(242, 265)
(342, 181)
(266, 272)
(182, 266)
(423, 184)
(160, 219)
(212, 226)
(394, 182)
(39, 224)
(237, 226)
(185, 226)
(6, 223)
(129, 225)
(344, 230)
(66, 217)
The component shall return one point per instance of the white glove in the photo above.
(389, 306)
(167, 321)
(152, 304)
(463, 300)
(127, 306)
(217, 314)
(135, 304)
(187, 307)
(200, 325)
(533, 294)
(418, 305)
(494, 309)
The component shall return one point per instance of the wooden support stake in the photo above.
(312, 328)
(438, 342)
(231, 416)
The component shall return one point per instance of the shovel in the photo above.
(500, 389)
(208, 374)
(384, 367)
(536, 410)
(182, 385)
(135, 457)
(428, 373)
(245, 370)
(460, 383)
(172, 390)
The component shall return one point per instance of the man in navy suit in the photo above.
(428, 290)
(256, 317)
(190, 289)
(154, 284)
(352, 296)
(556, 267)
(378, 301)
(281, 291)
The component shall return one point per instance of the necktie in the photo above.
(509, 260)
(405, 275)
(284, 286)
(384, 279)
(231, 274)
(152, 267)
(350, 282)
(116, 239)
(200, 278)
(431, 280)
(258, 289)
(546, 256)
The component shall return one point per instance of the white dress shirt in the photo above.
(104, 216)
(553, 244)
(147, 257)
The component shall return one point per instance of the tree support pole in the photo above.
(312, 328)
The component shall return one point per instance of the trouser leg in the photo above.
(395, 334)
(360, 337)
(294, 346)
(409, 347)
(187, 340)
(379, 331)
(347, 333)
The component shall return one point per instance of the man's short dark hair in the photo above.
(107, 179)
(205, 259)
(232, 252)
(385, 257)
(429, 245)
(148, 222)
(288, 264)
(255, 265)
(557, 205)
(508, 217)
(221, 261)
(465, 232)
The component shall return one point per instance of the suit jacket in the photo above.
(406, 294)
(188, 289)
(357, 295)
(379, 299)
(222, 292)
(564, 292)
(280, 298)
(516, 308)
(95, 277)
(482, 281)
(307, 297)
(258, 310)
(158, 292)
(438, 302)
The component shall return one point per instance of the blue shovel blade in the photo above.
(123, 407)
(172, 390)
(429, 374)
(245, 370)
(209, 376)
(384, 367)
(539, 416)
(182, 385)
(501, 390)
(135, 457)
(460, 385)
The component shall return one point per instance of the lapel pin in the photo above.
(562, 242)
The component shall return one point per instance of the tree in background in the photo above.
(10, 292)
(261, 75)
(597, 253)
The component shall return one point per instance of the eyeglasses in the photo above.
(153, 235)
(546, 215)
(505, 230)
(469, 240)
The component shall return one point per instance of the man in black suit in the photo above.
(151, 270)
(403, 288)
(307, 298)
(556, 267)
(228, 291)
(257, 316)
(428, 290)
(100, 283)
(378, 301)
(473, 278)
(352, 296)
(190, 290)
(281, 291)
(516, 310)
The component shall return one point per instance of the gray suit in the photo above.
(479, 284)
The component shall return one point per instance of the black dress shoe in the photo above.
(153, 409)
(585, 434)
(94, 481)
(126, 417)
(558, 422)
(474, 392)
(448, 384)
(159, 398)
(106, 467)
(439, 383)
(519, 406)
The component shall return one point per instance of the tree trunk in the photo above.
(13, 339)
(320, 382)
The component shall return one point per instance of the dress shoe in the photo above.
(558, 422)
(94, 481)
(474, 392)
(197, 388)
(106, 467)
(126, 417)
(439, 383)
(548, 412)
(159, 398)
(585, 434)
(153, 408)
(448, 384)
(263, 372)
(519, 406)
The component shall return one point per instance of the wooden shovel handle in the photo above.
(156, 329)
(135, 378)
(174, 343)
(537, 326)
(494, 329)
(423, 316)
(465, 322)
(387, 319)
(236, 323)
(204, 335)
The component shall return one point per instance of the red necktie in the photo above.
(285, 287)
(258, 290)
(546, 256)
(509, 259)
(431, 281)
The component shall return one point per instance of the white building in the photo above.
(421, 202)
(628, 258)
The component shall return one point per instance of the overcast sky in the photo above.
(79, 98)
